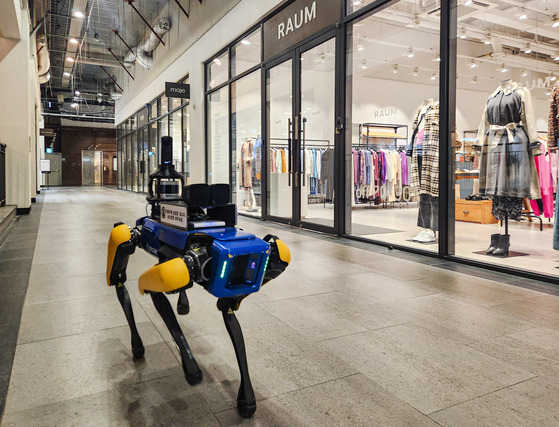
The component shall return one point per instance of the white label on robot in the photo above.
(173, 215)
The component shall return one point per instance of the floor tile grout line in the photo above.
(483, 395)
(362, 332)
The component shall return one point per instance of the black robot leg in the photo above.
(246, 402)
(137, 345)
(191, 369)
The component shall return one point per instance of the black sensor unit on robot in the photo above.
(165, 185)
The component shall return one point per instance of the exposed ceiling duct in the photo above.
(141, 53)
(43, 60)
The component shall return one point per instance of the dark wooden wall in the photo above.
(76, 139)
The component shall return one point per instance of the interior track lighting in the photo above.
(522, 15)
(503, 69)
(395, 69)
(462, 33)
(523, 73)
(434, 76)
(527, 48)
(364, 65)
(410, 53)
(474, 80)
(437, 58)
(415, 72)
(555, 21)
(474, 64)
(360, 47)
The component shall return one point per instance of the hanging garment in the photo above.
(509, 142)
(424, 175)
(553, 123)
(553, 158)
(245, 162)
(327, 168)
(273, 167)
(546, 188)
(556, 225)
(506, 207)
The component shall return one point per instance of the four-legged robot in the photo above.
(195, 239)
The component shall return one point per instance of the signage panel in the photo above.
(177, 90)
(296, 22)
(143, 117)
(45, 165)
(46, 132)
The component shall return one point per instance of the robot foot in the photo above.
(246, 409)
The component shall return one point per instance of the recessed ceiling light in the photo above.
(468, 2)
(360, 47)
(552, 77)
(395, 69)
(437, 58)
(245, 42)
(528, 48)
(555, 20)
(415, 72)
(434, 76)
(217, 61)
(66, 73)
(69, 59)
(556, 57)
(410, 53)
(524, 73)
(355, 3)
(74, 105)
(462, 33)
(77, 92)
(73, 40)
(523, 15)
(474, 80)
(503, 69)
(364, 65)
(358, 25)
(474, 64)
(78, 14)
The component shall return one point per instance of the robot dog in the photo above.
(196, 241)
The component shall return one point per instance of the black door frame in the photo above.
(294, 55)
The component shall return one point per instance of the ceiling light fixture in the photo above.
(468, 2)
(66, 74)
(437, 58)
(245, 42)
(474, 64)
(73, 40)
(415, 72)
(434, 76)
(555, 22)
(395, 69)
(74, 105)
(523, 73)
(77, 93)
(360, 47)
(528, 48)
(217, 61)
(355, 3)
(503, 69)
(523, 15)
(410, 53)
(552, 77)
(474, 80)
(462, 33)
(487, 39)
(69, 59)
(78, 14)
(556, 57)
(364, 65)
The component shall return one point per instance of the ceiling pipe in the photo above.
(43, 60)
(140, 52)
(130, 2)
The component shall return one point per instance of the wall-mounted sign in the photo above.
(143, 117)
(296, 22)
(45, 165)
(46, 132)
(177, 90)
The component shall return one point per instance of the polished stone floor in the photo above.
(351, 334)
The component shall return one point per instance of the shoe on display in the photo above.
(427, 237)
(493, 244)
(420, 235)
(502, 246)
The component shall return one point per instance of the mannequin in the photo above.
(509, 142)
(424, 153)
(245, 165)
(553, 133)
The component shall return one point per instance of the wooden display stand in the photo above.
(478, 211)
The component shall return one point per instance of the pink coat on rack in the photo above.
(546, 187)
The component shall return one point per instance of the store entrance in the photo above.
(300, 136)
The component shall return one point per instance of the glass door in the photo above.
(300, 132)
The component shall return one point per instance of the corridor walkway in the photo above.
(351, 334)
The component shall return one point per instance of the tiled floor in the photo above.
(351, 334)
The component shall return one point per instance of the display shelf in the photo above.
(371, 134)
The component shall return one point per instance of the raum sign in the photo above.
(177, 90)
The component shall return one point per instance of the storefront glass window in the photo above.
(119, 162)
(247, 144)
(218, 137)
(175, 132)
(127, 163)
(134, 161)
(153, 154)
(186, 142)
(218, 70)
(175, 103)
(153, 110)
(392, 127)
(163, 105)
(246, 53)
(505, 161)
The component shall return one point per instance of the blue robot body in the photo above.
(238, 258)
